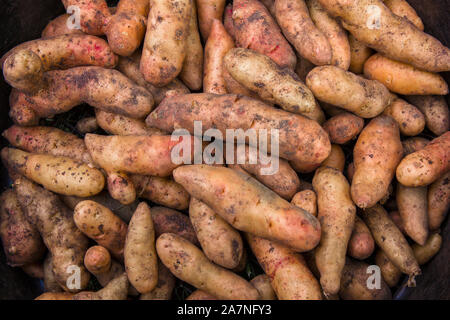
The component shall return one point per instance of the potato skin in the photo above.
(336, 159)
(414, 144)
(93, 14)
(20, 110)
(164, 287)
(262, 284)
(425, 166)
(359, 53)
(208, 11)
(403, 9)
(365, 98)
(97, 260)
(410, 120)
(289, 275)
(86, 125)
(435, 110)
(390, 273)
(431, 247)
(405, 42)
(228, 21)
(189, 264)
(58, 26)
(438, 201)
(402, 78)
(220, 242)
(102, 225)
(343, 127)
(141, 262)
(361, 244)
(165, 41)
(21, 241)
(306, 200)
(116, 124)
(116, 289)
(336, 213)
(58, 174)
(120, 187)
(50, 283)
(54, 222)
(261, 212)
(376, 154)
(256, 29)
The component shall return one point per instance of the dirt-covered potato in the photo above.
(403, 9)
(164, 287)
(359, 53)
(306, 200)
(409, 118)
(116, 124)
(87, 125)
(117, 289)
(435, 110)
(208, 11)
(262, 284)
(438, 201)
(58, 26)
(336, 159)
(343, 127)
(97, 260)
(414, 144)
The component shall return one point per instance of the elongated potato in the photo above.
(361, 243)
(208, 11)
(438, 201)
(167, 220)
(189, 264)
(410, 120)
(102, 225)
(116, 124)
(262, 284)
(120, 187)
(200, 295)
(58, 26)
(289, 275)
(403, 9)
(141, 262)
(376, 154)
(334, 33)
(306, 200)
(343, 127)
(370, 21)
(97, 260)
(164, 287)
(359, 53)
(390, 239)
(61, 236)
(402, 78)
(256, 29)
(435, 110)
(58, 174)
(87, 125)
(21, 241)
(261, 212)
(390, 273)
(117, 289)
(414, 144)
(336, 159)
(425, 166)
(336, 212)
(220, 242)
(165, 41)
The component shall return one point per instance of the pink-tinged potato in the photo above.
(93, 14)
(97, 260)
(438, 201)
(306, 200)
(120, 187)
(58, 26)
(435, 110)
(208, 10)
(228, 21)
(361, 243)
(20, 110)
(410, 119)
(343, 127)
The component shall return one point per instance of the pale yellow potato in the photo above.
(116, 124)
(116, 289)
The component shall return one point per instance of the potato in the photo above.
(390, 239)
(242, 263)
(58, 26)
(397, 219)
(403, 9)
(289, 275)
(86, 125)
(376, 154)
(275, 84)
(343, 127)
(336, 213)
(414, 144)
(147, 155)
(141, 262)
(334, 33)
(24, 66)
(208, 11)
(55, 296)
(336, 159)
(200, 295)
(306, 200)
(297, 25)
(359, 53)
(365, 98)
(20, 110)
(403, 78)
(50, 282)
(390, 273)
(249, 206)
(257, 30)
(303, 67)
(432, 246)
(120, 187)
(166, 220)
(102, 225)
(54, 222)
(58, 174)
(350, 172)
(425, 166)
(97, 260)
(404, 42)
(237, 112)
(262, 284)
(361, 243)
(164, 287)
(116, 124)
(354, 283)
(21, 241)
(117, 289)
(189, 264)
(410, 120)
(219, 241)
(34, 270)
(228, 21)
(48, 140)
(412, 206)
(165, 41)
(93, 14)
(435, 110)
(438, 201)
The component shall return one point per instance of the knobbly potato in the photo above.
(289, 275)
(361, 243)
(20, 110)
(97, 260)
(220, 242)
(256, 29)
(102, 225)
(58, 26)
(336, 159)
(116, 124)
(86, 125)
(365, 98)
(410, 120)
(370, 20)
(306, 200)
(414, 144)
(262, 284)
(200, 295)
(54, 222)
(336, 213)
(250, 206)
(412, 206)
(376, 154)
(141, 262)
(403, 9)
(390, 273)
(438, 201)
(21, 241)
(425, 166)
(343, 127)
(359, 53)
(117, 289)
(165, 41)
(189, 264)
(402, 78)
(208, 11)
(164, 287)
(58, 174)
(55, 296)
(435, 110)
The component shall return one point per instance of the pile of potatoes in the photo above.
(364, 148)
